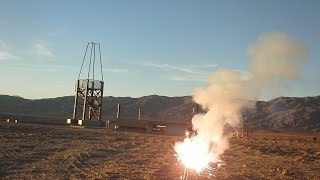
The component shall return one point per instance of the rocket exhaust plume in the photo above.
(275, 59)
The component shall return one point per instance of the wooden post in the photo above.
(195, 110)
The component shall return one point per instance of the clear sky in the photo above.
(164, 47)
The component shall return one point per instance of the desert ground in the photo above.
(31, 151)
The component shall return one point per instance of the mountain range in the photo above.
(279, 113)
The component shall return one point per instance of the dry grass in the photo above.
(52, 152)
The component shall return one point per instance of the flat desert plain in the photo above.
(30, 151)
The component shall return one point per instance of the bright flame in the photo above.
(193, 153)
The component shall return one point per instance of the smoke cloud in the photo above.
(274, 59)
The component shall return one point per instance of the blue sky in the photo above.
(162, 47)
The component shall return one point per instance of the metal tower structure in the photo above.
(89, 91)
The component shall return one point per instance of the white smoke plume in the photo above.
(274, 59)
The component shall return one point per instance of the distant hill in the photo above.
(152, 107)
(286, 112)
(280, 113)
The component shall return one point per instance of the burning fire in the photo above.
(193, 153)
(197, 155)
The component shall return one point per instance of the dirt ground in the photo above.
(29, 151)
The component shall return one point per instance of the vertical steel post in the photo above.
(139, 115)
(101, 100)
(84, 110)
(118, 112)
(92, 98)
(75, 106)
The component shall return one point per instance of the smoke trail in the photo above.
(274, 59)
